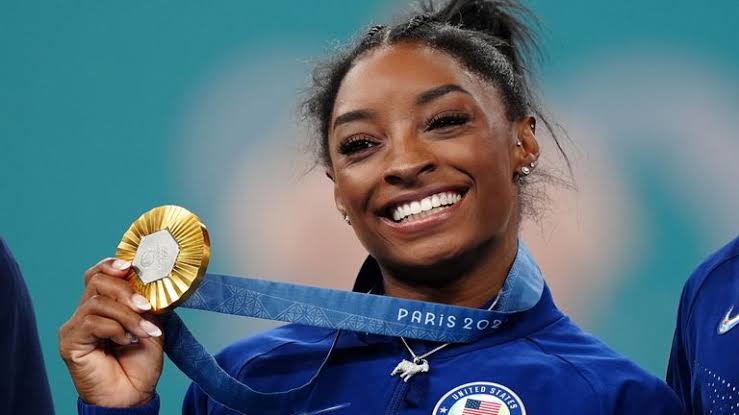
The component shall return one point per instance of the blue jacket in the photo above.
(24, 388)
(541, 363)
(704, 363)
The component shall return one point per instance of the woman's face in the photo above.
(423, 157)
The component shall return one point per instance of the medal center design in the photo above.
(156, 256)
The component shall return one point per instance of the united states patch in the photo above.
(476, 407)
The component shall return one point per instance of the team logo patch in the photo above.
(480, 398)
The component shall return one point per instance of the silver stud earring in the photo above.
(533, 164)
(347, 220)
(518, 143)
(525, 170)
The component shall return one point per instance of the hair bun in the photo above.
(502, 19)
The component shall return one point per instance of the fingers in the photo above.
(111, 266)
(110, 308)
(113, 286)
(94, 328)
(102, 318)
(131, 321)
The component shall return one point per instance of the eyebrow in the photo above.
(350, 116)
(438, 92)
(422, 98)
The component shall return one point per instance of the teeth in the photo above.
(435, 201)
(396, 215)
(423, 206)
(426, 204)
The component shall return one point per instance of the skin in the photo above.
(109, 367)
(462, 258)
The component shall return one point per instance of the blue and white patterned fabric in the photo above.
(704, 363)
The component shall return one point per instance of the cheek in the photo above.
(488, 162)
(484, 158)
(354, 186)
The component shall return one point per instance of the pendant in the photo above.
(407, 369)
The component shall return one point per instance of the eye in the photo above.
(356, 144)
(447, 120)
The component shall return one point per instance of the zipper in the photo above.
(397, 399)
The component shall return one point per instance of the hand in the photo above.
(114, 354)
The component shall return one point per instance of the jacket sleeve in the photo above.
(24, 387)
(653, 398)
(151, 408)
(196, 401)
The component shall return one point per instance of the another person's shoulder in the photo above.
(8, 266)
(620, 384)
(13, 292)
(275, 342)
(720, 267)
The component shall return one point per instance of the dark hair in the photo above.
(489, 37)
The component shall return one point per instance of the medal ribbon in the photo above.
(332, 309)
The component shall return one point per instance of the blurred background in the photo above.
(108, 109)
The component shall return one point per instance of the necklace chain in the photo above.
(420, 359)
(407, 370)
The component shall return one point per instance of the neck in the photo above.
(469, 281)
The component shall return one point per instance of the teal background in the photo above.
(93, 96)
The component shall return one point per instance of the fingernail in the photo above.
(150, 328)
(140, 302)
(121, 264)
(132, 337)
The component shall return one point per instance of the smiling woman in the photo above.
(427, 129)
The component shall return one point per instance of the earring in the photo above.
(347, 220)
(525, 170)
(532, 126)
(533, 164)
(518, 143)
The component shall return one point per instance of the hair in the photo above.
(491, 38)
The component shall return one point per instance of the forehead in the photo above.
(402, 71)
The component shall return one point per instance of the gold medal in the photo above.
(169, 250)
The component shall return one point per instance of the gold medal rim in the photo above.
(190, 266)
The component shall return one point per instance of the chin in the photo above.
(429, 258)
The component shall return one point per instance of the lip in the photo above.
(428, 222)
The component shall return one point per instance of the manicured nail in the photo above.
(150, 328)
(121, 264)
(140, 302)
(132, 337)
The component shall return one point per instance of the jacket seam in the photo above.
(575, 367)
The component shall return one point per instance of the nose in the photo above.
(409, 159)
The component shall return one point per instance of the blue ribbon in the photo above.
(332, 309)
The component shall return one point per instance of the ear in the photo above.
(527, 152)
(330, 174)
(337, 199)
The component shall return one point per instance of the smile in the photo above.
(429, 205)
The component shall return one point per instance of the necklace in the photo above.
(407, 369)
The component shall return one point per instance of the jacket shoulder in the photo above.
(238, 354)
(619, 384)
(728, 255)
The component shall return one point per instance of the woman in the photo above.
(427, 130)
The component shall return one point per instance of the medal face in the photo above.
(169, 249)
(156, 256)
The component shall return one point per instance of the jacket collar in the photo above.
(522, 289)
